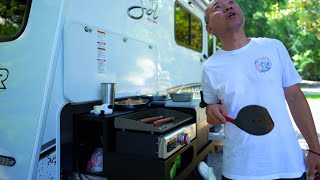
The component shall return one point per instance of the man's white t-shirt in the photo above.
(255, 75)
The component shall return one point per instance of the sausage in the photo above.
(163, 121)
(150, 120)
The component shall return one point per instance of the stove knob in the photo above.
(184, 138)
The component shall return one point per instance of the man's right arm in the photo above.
(214, 109)
(215, 114)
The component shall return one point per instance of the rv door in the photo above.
(28, 46)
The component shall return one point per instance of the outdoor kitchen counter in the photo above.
(100, 131)
(94, 117)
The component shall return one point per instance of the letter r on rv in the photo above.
(4, 73)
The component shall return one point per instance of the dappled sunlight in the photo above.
(2, 21)
(146, 70)
(307, 12)
(148, 67)
(164, 79)
(136, 80)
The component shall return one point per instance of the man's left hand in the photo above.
(313, 162)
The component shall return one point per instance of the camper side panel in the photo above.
(23, 105)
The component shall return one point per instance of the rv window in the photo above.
(13, 18)
(188, 29)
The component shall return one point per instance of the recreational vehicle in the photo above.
(55, 57)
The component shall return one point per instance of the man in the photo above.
(256, 71)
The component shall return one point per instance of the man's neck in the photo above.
(233, 41)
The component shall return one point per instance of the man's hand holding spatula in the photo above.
(253, 119)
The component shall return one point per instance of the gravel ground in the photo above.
(215, 159)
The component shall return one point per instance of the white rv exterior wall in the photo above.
(30, 60)
(150, 61)
(42, 80)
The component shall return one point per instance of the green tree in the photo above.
(295, 22)
(11, 16)
(306, 44)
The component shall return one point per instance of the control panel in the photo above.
(173, 141)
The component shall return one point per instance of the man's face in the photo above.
(224, 16)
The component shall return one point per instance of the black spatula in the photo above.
(253, 119)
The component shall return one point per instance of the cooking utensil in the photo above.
(119, 106)
(159, 98)
(155, 97)
(202, 104)
(254, 120)
(181, 96)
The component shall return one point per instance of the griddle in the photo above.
(131, 121)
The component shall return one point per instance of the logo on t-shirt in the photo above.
(263, 64)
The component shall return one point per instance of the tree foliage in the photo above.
(11, 16)
(188, 29)
(295, 22)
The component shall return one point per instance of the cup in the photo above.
(108, 94)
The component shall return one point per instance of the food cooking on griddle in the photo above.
(130, 102)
